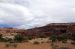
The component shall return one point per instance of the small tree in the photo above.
(18, 38)
(63, 37)
(0, 37)
(53, 39)
(73, 38)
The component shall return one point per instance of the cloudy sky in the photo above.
(35, 13)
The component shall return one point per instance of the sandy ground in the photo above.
(33, 46)
(30, 45)
(27, 46)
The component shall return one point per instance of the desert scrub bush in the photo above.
(42, 42)
(64, 41)
(26, 41)
(30, 38)
(19, 38)
(55, 47)
(64, 48)
(14, 45)
(7, 45)
(36, 42)
(48, 42)
(73, 43)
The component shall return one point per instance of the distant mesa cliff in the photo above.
(53, 28)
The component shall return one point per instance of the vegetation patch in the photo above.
(36, 42)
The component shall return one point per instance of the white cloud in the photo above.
(34, 13)
(14, 14)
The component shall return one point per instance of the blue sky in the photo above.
(35, 13)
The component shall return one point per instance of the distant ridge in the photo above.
(55, 28)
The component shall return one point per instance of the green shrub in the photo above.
(19, 38)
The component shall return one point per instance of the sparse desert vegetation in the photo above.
(36, 38)
(52, 42)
